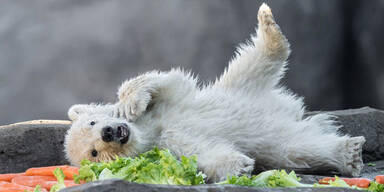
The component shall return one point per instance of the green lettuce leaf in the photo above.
(272, 178)
(107, 174)
(239, 180)
(155, 167)
(338, 183)
(37, 189)
(280, 178)
(85, 174)
(60, 180)
(376, 187)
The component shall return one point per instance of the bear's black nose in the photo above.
(107, 134)
(117, 132)
(122, 133)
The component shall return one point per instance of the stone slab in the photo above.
(120, 186)
(32, 144)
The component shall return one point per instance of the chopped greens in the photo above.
(376, 187)
(155, 167)
(60, 180)
(37, 188)
(339, 183)
(272, 178)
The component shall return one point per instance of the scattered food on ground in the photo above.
(161, 167)
(40, 179)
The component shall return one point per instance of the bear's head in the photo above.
(97, 135)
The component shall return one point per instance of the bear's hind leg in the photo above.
(260, 63)
(325, 153)
(353, 163)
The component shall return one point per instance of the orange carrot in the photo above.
(43, 171)
(48, 171)
(32, 181)
(6, 186)
(68, 183)
(380, 179)
(359, 182)
(9, 176)
(12, 189)
(69, 171)
(2, 189)
(325, 180)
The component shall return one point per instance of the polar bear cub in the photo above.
(243, 121)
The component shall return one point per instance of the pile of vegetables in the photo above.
(155, 167)
(51, 178)
(280, 178)
(161, 167)
(272, 178)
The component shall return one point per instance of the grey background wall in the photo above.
(57, 53)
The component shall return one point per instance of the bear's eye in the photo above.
(92, 123)
(94, 153)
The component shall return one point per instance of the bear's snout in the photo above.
(122, 133)
(107, 134)
(119, 133)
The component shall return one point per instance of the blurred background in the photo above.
(54, 54)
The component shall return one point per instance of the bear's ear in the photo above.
(76, 110)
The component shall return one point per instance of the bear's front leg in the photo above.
(219, 165)
(216, 159)
(135, 95)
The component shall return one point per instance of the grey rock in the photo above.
(32, 144)
(120, 186)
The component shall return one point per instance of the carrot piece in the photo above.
(380, 179)
(12, 189)
(359, 182)
(326, 180)
(32, 181)
(9, 176)
(70, 183)
(7, 186)
(2, 189)
(43, 171)
(48, 184)
(69, 171)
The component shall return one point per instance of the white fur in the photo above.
(243, 121)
